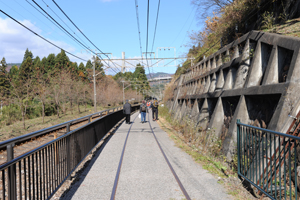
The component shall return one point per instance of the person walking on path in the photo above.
(148, 105)
(127, 111)
(143, 111)
(155, 110)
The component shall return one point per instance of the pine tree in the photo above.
(140, 76)
(14, 71)
(98, 65)
(4, 83)
(26, 70)
(89, 65)
(62, 61)
(27, 54)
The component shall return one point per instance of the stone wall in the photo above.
(255, 79)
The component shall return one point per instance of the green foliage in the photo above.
(26, 69)
(10, 114)
(89, 65)
(98, 65)
(62, 61)
(27, 54)
(268, 20)
(4, 83)
(14, 71)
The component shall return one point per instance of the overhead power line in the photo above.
(148, 7)
(84, 34)
(41, 36)
(138, 24)
(155, 25)
(51, 21)
(63, 22)
(155, 32)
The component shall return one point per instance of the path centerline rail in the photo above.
(114, 190)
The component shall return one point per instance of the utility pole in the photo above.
(123, 94)
(123, 62)
(95, 99)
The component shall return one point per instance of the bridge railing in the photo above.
(268, 160)
(39, 173)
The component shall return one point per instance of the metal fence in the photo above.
(268, 160)
(20, 139)
(39, 173)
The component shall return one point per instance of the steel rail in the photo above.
(114, 190)
(169, 164)
(26, 137)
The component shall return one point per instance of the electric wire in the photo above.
(148, 8)
(64, 22)
(85, 35)
(41, 36)
(44, 16)
(138, 25)
(155, 25)
(68, 31)
(61, 26)
(155, 32)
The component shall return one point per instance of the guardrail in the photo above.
(268, 160)
(40, 172)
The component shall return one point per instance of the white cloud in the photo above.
(14, 39)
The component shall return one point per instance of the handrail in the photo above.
(269, 131)
(15, 160)
(49, 129)
(268, 159)
(41, 171)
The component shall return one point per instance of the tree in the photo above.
(27, 54)
(41, 89)
(140, 77)
(89, 65)
(62, 61)
(14, 71)
(98, 65)
(26, 69)
(82, 73)
(22, 93)
(206, 7)
(4, 83)
(50, 64)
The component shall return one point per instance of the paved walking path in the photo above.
(145, 173)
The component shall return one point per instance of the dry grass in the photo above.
(289, 28)
(215, 166)
(16, 129)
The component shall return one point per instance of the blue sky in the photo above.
(110, 24)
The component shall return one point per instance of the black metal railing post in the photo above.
(12, 193)
(68, 128)
(68, 146)
(238, 146)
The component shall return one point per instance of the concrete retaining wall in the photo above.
(255, 79)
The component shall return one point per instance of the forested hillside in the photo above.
(226, 20)
(54, 85)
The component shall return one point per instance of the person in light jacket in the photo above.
(143, 111)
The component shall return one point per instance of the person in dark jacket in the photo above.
(143, 111)
(127, 111)
(155, 110)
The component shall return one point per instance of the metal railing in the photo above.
(39, 173)
(268, 160)
(66, 125)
